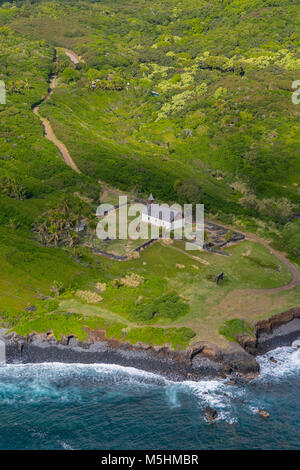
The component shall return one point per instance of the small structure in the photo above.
(80, 227)
(162, 216)
(219, 277)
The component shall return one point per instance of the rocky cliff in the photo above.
(276, 331)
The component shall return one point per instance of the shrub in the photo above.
(89, 296)
(281, 209)
(101, 286)
(131, 280)
(232, 328)
(289, 240)
(13, 188)
(177, 337)
(69, 75)
(167, 306)
(189, 191)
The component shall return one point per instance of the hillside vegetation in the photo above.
(190, 100)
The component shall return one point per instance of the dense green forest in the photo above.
(183, 88)
(190, 100)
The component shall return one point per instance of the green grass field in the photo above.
(180, 285)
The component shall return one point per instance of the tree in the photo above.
(69, 75)
(13, 188)
(56, 288)
(189, 191)
(280, 209)
(57, 226)
(290, 239)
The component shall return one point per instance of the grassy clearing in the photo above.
(28, 271)
(179, 338)
(50, 317)
(156, 293)
(69, 324)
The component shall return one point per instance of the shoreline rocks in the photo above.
(211, 414)
(272, 359)
(200, 360)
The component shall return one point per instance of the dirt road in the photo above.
(49, 133)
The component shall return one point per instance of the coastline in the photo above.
(200, 361)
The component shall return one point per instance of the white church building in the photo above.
(162, 216)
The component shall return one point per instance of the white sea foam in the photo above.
(58, 381)
(58, 369)
(228, 400)
(63, 382)
(218, 395)
(65, 445)
(288, 363)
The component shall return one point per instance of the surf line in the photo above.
(48, 131)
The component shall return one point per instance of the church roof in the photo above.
(161, 212)
(151, 198)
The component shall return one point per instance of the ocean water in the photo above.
(58, 406)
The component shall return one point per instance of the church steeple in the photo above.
(150, 199)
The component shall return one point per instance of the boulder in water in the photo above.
(210, 413)
(263, 413)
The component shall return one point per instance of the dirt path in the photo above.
(73, 57)
(295, 281)
(49, 133)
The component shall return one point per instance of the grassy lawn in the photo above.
(28, 271)
(166, 288)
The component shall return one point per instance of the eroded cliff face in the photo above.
(276, 331)
(233, 360)
(269, 325)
